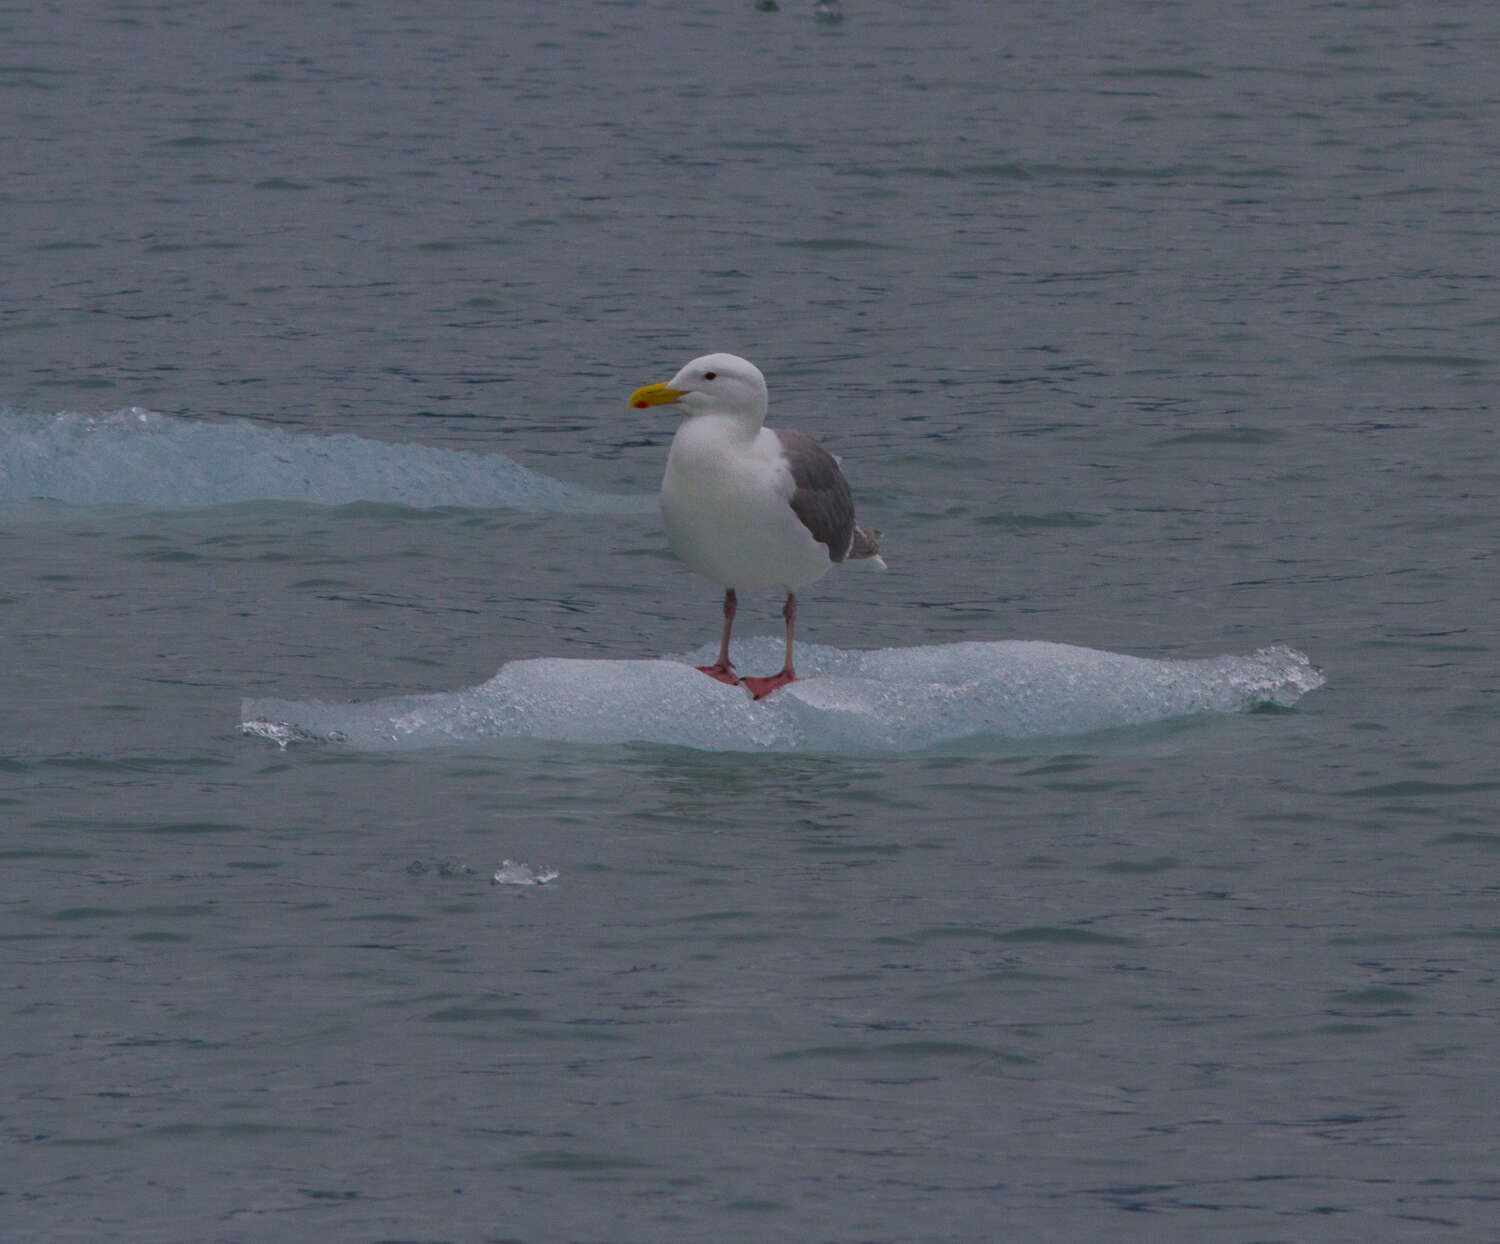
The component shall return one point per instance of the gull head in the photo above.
(721, 384)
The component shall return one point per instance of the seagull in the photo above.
(746, 505)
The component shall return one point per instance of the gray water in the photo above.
(1154, 329)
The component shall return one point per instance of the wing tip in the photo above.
(866, 547)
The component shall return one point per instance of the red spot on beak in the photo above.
(642, 405)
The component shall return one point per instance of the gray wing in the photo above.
(821, 499)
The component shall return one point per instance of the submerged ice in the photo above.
(136, 457)
(886, 700)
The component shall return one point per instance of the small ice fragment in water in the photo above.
(828, 11)
(513, 872)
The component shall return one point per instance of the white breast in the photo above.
(726, 505)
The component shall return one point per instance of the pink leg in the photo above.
(762, 687)
(722, 669)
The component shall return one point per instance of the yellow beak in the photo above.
(655, 395)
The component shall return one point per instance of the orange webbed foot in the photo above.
(722, 672)
(759, 688)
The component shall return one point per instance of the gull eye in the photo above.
(710, 375)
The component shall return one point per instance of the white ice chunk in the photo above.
(136, 457)
(884, 700)
(513, 872)
(278, 732)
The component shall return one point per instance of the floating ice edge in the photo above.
(138, 457)
(876, 701)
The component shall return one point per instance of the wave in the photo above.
(137, 457)
(885, 700)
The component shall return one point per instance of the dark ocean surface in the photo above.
(1150, 330)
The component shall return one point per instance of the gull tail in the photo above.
(865, 548)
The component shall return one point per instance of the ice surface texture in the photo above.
(513, 872)
(135, 457)
(886, 700)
